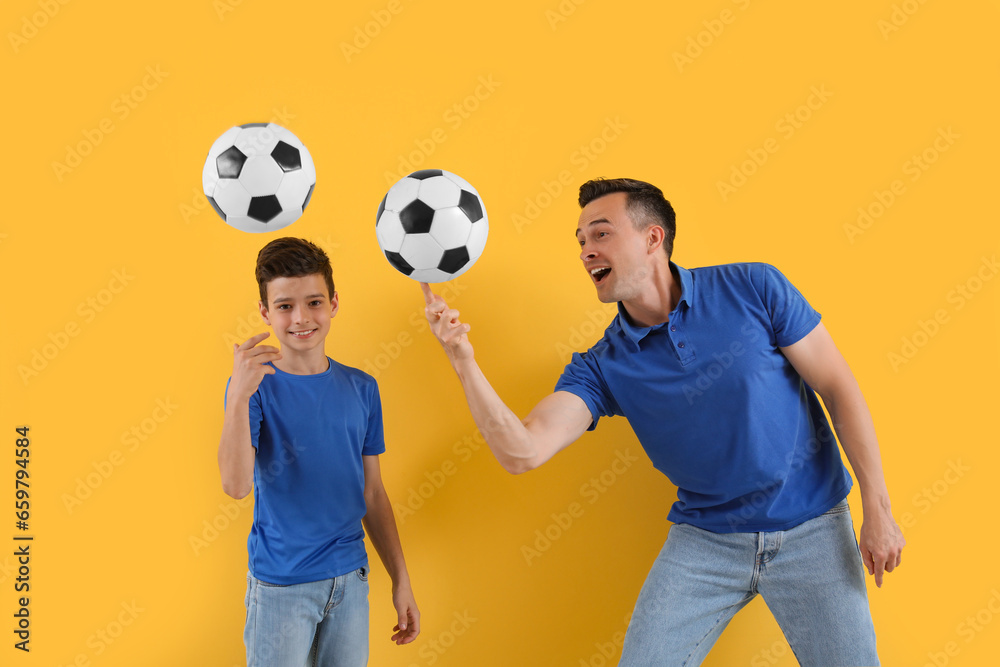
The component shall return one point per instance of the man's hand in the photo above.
(249, 366)
(881, 542)
(452, 334)
(408, 627)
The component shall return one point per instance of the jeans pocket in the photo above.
(362, 573)
(839, 508)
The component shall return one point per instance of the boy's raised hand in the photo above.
(249, 366)
(450, 332)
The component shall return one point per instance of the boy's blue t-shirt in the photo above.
(716, 405)
(310, 432)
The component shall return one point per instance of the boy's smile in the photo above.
(299, 310)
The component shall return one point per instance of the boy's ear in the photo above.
(334, 304)
(263, 312)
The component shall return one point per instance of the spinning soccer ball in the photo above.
(258, 177)
(432, 225)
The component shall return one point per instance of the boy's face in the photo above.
(299, 310)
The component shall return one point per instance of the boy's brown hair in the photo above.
(289, 257)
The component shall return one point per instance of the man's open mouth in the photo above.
(600, 274)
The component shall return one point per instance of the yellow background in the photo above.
(125, 562)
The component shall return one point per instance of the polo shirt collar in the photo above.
(635, 333)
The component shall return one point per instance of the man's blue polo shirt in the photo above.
(716, 405)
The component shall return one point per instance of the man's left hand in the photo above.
(881, 542)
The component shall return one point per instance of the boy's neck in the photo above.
(312, 363)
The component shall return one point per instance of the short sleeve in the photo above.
(256, 413)
(375, 434)
(791, 315)
(582, 377)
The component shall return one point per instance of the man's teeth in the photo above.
(598, 272)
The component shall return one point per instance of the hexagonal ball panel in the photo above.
(389, 232)
(261, 176)
(451, 228)
(401, 193)
(439, 192)
(421, 251)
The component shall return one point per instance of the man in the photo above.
(761, 487)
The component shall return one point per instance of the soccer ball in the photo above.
(258, 177)
(432, 225)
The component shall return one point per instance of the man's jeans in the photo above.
(810, 576)
(321, 623)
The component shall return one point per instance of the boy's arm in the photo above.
(819, 362)
(557, 421)
(236, 453)
(380, 524)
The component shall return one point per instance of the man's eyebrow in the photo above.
(592, 223)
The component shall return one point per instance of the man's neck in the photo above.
(655, 304)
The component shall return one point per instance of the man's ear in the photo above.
(334, 304)
(654, 238)
(263, 312)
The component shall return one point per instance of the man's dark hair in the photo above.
(644, 203)
(289, 257)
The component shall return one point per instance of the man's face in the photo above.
(614, 253)
(299, 310)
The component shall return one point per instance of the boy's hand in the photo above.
(452, 334)
(249, 366)
(409, 616)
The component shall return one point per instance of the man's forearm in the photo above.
(504, 432)
(852, 421)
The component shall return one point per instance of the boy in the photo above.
(306, 432)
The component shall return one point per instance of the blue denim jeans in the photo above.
(321, 623)
(810, 576)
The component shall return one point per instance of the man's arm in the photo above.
(380, 524)
(236, 453)
(819, 362)
(558, 420)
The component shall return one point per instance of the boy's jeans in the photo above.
(810, 576)
(321, 623)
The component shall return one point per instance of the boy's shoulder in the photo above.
(350, 371)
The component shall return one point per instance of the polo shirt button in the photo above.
(673, 328)
(681, 344)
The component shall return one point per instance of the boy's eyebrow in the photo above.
(282, 299)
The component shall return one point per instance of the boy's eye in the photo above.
(316, 303)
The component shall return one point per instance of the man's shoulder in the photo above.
(734, 270)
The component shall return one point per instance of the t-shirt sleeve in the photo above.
(256, 413)
(791, 315)
(375, 434)
(582, 377)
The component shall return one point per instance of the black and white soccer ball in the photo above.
(259, 177)
(432, 225)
